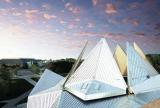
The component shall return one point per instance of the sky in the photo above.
(53, 29)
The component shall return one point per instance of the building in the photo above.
(98, 82)
(21, 62)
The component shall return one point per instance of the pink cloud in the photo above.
(71, 26)
(16, 12)
(46, 6)
(62, 22)
(90, 25)
(135, 22)
(48, 17)
(3, 11)
(71, 44)
(132, 21)
(114, 36)
(30, 15)
(110, 9)
(16, 28)
(94, 2)
(31, 11)
(72, 8)
(77, 19)
(8, 1)
(23, 3)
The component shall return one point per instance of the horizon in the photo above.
(58, 29)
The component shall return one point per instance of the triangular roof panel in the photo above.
(48, 79)
(139, 71)
(98, 70)
(121, 59)
(139, 51)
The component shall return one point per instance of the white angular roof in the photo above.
(143, 56)
(98, 76)
(45, 92)
(121, 59)
(139, 51)
(59, 98)
(140, 73)
(50, 92)
(48, 80)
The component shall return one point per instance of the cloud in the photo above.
(15, 29)
(135, 22)
(110, 8)
(48, 17)
(71, 44)
(74, 9)
(31, 11)
(8, 1)
(132, 21)
(46, 6)
(113, 21)
(77, 19)
(134, 5)
(90, 25)
(16, 12)
(94, 2)
(3, 11)
(115, 36)
(62, 22)
(71, 26)
(30, 15)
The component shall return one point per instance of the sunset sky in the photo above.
(59, 28)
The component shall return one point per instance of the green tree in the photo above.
(5, 73)
(35, 69)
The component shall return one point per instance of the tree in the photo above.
(5, 73)
(35, 69)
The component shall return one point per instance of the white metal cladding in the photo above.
(45, 91)
(48, 79)
(45, 100)
(52, 95)
(67, 100)
(138, 68)
(99, 65)
(149, 96)
(86, 70)
(140, 52)
(151, 84)
(93, 89)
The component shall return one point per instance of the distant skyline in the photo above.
(45, 29)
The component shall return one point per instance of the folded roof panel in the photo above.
(139, 71)
(48, 79)
(121, 59)
(100, 67)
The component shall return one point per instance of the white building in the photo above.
(98, 82)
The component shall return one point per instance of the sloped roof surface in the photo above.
(98, 69)
(139, 71)
(98, 89)
(121, 59)
(48, 79)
